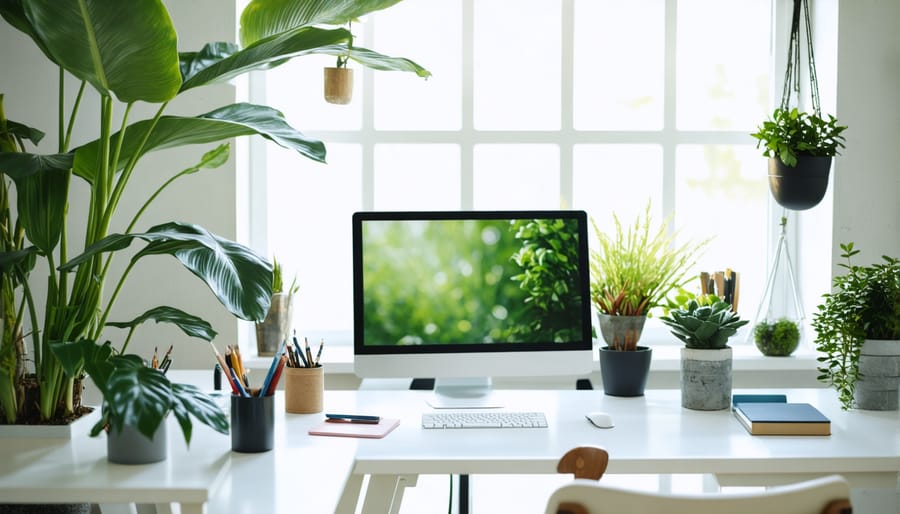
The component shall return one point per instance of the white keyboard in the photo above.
(484, 419)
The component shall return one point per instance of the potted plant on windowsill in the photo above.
(704, 325)
(130, 56)
(632, 272)
(800, 147)
(274, 329)
(858, 333)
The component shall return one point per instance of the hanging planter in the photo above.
(338, 85)
(799, 144)
(802, 186)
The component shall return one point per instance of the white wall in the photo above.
(867, 175)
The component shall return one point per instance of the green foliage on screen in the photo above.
(470, 281)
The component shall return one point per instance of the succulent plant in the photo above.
(703, 326)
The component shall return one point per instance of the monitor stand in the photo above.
(463, 393)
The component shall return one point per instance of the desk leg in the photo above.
(385, 493)
(192, 508)
(350, 495)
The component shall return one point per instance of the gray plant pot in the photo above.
(621, 332)
(879, 381)
(275, 327)
(706, 379)
(132, 447)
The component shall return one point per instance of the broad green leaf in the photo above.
(14, 13)
(221, 61)
(138, 396)
(375, 60)
(230, 121)
(188, 400)
(86, 354)
(17, 165)
(240, 279)
(264, 18)
(24, 131)
(42, 186)
(125, 48)
(188, 323)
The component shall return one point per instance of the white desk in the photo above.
(653, 434)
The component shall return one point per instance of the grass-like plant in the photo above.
(635, 268)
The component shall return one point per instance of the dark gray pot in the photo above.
(132, 447)
(706, 379)
(800, 187)
(624, 373)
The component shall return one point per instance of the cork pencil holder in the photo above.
(303, 388)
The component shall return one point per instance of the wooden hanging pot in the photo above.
(800, 187)
(338, 85)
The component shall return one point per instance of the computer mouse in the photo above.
(600, 419)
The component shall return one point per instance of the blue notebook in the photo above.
(776, 416)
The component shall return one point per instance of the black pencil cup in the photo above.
(252, 423)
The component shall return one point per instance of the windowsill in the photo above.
(666, 357)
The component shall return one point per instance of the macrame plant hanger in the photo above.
(792, 77)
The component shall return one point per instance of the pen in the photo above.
(270, 375)
(224, 367)
(274, 383)
(319, 353)
(352, 418)
(300, 352)
(243, 392)
(309, 359)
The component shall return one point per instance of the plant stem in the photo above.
(72, 116)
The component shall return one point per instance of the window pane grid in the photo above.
(560, 124)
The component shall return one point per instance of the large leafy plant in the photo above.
(126, 52)
(864, 304)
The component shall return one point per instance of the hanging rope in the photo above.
(792, 73)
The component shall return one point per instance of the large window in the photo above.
(601, 105)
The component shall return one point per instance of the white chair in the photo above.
(828, 495)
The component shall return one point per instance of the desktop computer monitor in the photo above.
(463, 296)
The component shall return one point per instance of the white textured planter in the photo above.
(706, 379)
(878, 387)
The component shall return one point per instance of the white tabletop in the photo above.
(653, 434)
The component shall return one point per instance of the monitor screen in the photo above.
(462, 294)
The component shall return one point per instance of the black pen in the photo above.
(352, 418)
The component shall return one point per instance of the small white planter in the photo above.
(878, 387)
(706, 379)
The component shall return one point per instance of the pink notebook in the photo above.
(345, 429)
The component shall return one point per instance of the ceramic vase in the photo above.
(879, 370)
(706, 378)
(130, 446)
(274, 329)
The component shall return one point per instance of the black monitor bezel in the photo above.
(583, 265)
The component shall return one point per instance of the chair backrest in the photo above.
(828, 495)
(584, 462)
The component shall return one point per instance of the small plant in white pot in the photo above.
(704, 324)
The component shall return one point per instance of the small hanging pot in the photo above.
(800, 187)
(338, 85)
